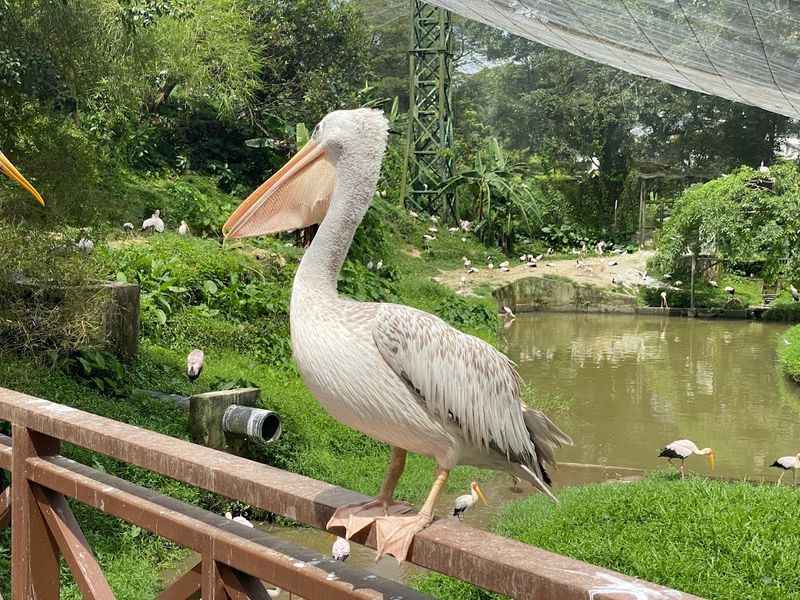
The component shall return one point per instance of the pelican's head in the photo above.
(477, 489)
(11, 171)
(299, 194)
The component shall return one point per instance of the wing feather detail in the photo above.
(461, 380)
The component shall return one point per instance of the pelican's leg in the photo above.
(396, 534)
(356, 517)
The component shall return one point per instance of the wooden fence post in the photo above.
(32, 546)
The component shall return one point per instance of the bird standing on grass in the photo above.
(154, 223)
(395, 373)
(788, 463)
(194, 364)
(683, 449)
(183, 228)
(467, 501)
(795, 294)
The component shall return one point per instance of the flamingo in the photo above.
(12, 173)
(683, 449)
(395, 373)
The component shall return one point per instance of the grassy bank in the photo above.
(717, 540)
(789, 352)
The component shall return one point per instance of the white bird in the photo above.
(472, 270)
(683, 449)
(467, 501)
(664, 303)
(523, 258)
(713, 283)
(239, 519)
(7, 168)
(678, 283)
(505, 263)
(795, 294)
(490, 265)
(341, 549)
(413, 214)
(788, 463)
(379, 265)
(428, 238)
(434, 219)
(612, 263)
(730, 290)
(600, 247)
(154, 223)
(395, 373)
(194, 364)
(467, 263)
(433, 229)
(85, 245)
(183, 229)
(452, 229)
(465, 225)
(507, 312)
(532, 264)
(763, 168)
(505, 269)
(370, 265)
(128, 227)
(538, 258)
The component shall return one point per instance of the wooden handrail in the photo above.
(489, 561)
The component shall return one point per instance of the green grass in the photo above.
(789, 352)
(718, 540)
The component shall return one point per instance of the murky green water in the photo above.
(640, 382)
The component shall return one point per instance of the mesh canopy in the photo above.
(743, 50)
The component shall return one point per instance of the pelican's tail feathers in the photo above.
(527, 473)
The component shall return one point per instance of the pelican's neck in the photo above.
(352, 193)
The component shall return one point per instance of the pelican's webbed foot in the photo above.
(396, 534)
(357, 517)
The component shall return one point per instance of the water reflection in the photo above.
(639, 382)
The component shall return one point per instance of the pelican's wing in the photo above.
(461, 381)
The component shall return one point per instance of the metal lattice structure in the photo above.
(429, 157)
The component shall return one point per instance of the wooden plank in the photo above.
(489, 561)
(34, 554)
(252, 551)
(211, 581)
(5, 509)
(186, 587)
(73, 545)
(241, 586)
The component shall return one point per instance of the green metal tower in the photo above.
(429, 155)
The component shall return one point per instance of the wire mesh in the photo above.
(743, 50)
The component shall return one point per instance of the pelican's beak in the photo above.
(712, 460)
(295, 197)
(480, 494)
(10, 170)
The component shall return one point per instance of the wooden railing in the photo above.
(234, 558)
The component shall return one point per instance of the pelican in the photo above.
(788, 463)
(194, 364)
(795, 294)
(12, 173)
(664, 303)
(154, 223)
(397, 374)
(683, 449)
(467, 501)
(183, 229)
(340, 550)
(507, 312)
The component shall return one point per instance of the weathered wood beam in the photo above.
(5, 509)
(241, 586)
(73, 545)
(186, 587)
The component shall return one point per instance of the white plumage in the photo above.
(467, 501)
(788, 463)
(154, 223)
(795, 294)
(341, 549)
(194, 364)
(85, 245)
(395, 373)
(183, 229)
(683, 449)
(239, 519)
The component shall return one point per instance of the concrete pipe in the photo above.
(255, 423)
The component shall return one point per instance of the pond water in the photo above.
(637, 383)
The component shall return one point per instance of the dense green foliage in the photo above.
(714, 539)
(745, 218)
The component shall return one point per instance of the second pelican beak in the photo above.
(10, 170)
(712, 460)
(480, 494)
(296, 196)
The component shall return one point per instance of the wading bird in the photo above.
(795, 294)
(683, 449)
(395, 373)
(194, 364)
(788, 463)
(183, 228)
(154, 223)
(341, 549)
(467, 501)
(239, 519)
(664, 303)
(11, 172)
